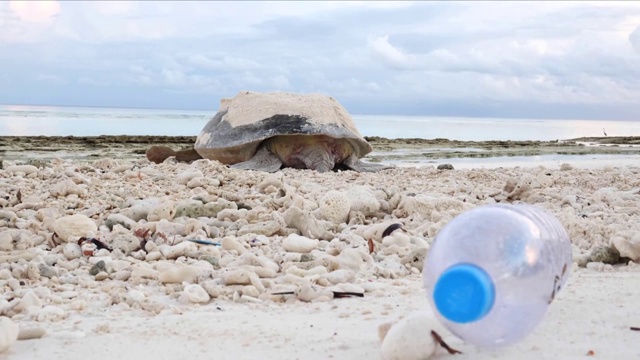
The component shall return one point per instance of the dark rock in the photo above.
(39, 163)
(445, 167)
(605, 254)
(98, 267)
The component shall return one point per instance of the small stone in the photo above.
(628, 247)
(102, 275)
(605, 254)
(363, 200)
(598, 266)
(119, 219)
(230, 243)
(8, 333)
(267, 228)
(135, 297)
(190, 208)
(299, 244)
(99, 267)
(164, 211)
(415, 258)
(29, 301)
(143, 271)
(194, 293)
(31, 333)
(445, 167)
(334, 206)
(188, 175)
(236, 277)
(187, 274)
(410, 338)
(566, 167)
(50, 313)
(213, 260)
(71, 227)
(72, 251)
(5, 274)
(25, 169)
(186, 248)
(47, 271)
(39, 163)
(153, 256)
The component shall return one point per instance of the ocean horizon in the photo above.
(37, 120)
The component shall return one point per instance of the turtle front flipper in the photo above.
(263, 160)
(159, 154)
(354, 163)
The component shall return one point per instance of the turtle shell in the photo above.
(234, 134)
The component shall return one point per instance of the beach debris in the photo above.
(205, 242)
(336, 294)
(441, 342)
(371, 245)
(266, 131)
(391, 228)
(445, 167)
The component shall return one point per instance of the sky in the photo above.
(571, 60)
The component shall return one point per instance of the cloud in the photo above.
(221, 62)
(35, 11)
(634, 39)
(51, 79)
(397, 57)
(391, 55)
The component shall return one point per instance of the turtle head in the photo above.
(315, 152)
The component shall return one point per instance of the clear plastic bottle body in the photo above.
(527, 255)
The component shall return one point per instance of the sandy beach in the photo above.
(154, 293)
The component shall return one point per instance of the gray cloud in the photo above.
(634, 39)
(487, 59)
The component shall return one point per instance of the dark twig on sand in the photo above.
(439, 340)
(390, 229)
(336, 294)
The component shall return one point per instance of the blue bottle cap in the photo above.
(464, 293)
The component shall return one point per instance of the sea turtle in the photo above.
(268, 131)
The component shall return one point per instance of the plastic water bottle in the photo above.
(492, 272)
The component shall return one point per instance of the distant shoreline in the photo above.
(395, 150)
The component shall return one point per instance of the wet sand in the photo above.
(397, 151)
